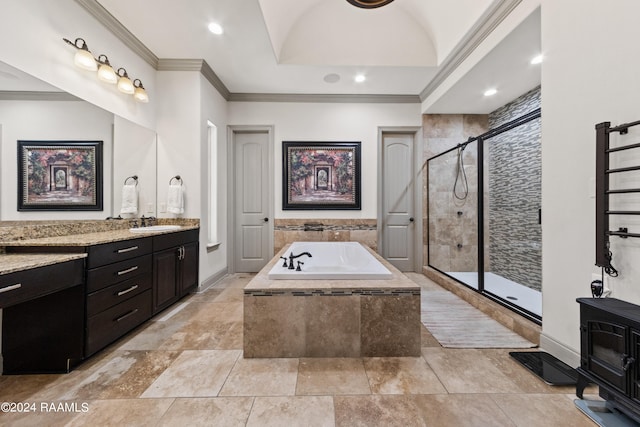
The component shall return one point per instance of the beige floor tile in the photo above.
(195, 373)
(426, 339)
(123, 412)
(307, 411)
(462, 410)
(262, 377)
(533, 410)
(468, 371)
(217, 411)
(50, 416)
(401, 375)
(332, 377)
(377, 410)
(425, 283)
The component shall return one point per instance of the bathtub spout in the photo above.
(292, 257)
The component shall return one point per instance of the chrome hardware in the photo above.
(124, 316)
(11, 288)
(126, 291)
(132, 248)
(128, 270)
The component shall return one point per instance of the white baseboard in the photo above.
(211, 280)
(559, 350)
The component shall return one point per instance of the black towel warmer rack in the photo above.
(603, 171)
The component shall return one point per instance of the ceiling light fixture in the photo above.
(369, 4)
(537, 59)
(215, 28)
(124, 82)
(490, 92)
(139, 93)
(360, 78)
(83, 58)
(105, 70)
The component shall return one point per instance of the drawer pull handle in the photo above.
(128, 270)
(11, 288)
(124, 316)
(126, 291)
(132, 248)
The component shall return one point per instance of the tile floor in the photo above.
(185, 367)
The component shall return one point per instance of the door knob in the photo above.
(266, 220)
(411, 219)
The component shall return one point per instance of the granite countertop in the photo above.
(88, 239)
(399, 281)
(10, 263)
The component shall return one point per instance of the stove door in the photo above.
(607, 357)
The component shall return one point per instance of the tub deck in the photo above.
(331, 318)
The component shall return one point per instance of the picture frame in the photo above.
(60, 175)
(321, 175)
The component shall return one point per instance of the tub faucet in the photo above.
(292, 257)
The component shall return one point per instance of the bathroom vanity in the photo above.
(122, 279)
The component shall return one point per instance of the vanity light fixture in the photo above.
(139, 93)
(83, 58)
(124, 82)
(105, 70)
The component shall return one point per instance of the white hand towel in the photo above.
(129, 199)
(175, 199)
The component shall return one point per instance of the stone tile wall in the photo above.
(332, 230)
(514, 171)
(451, 224)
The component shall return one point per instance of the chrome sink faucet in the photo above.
(292, 257)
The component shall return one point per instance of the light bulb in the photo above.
(84, 59)
(105, 71)
(140, 94)
(124, 82)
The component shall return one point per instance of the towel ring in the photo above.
(133, 177)
(177, 177)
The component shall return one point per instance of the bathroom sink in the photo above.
(155, 228)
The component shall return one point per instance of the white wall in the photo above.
(31, 33)
(327, 122)
(590, 75)
(50, 120)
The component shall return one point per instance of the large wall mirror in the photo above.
(31, 109)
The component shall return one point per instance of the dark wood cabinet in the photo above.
(43, 318)
(175, 267)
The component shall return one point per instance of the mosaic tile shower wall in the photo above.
(514, 175)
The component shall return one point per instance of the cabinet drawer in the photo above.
(115, 294)
(170, 240)
(98, 278)
(108, 253)
(106, 327)
(36, 282)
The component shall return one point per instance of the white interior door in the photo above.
(252, 245)
(398, 204)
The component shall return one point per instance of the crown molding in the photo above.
(328, 98)
(488, 22)
(120, 31)
(170, 64)
(11, 95)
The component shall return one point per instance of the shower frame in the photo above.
(480, 139)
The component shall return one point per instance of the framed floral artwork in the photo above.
(321, 175)
(59, 175)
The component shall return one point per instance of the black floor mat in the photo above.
(550, 369)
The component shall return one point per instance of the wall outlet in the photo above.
(162, 207)
(606, 291)
(150, 208)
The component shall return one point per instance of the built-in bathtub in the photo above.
(330, 261)
(307, 316)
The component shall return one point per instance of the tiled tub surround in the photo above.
(338, 318)
(333, 230)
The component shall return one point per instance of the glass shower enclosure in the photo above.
(484, 214)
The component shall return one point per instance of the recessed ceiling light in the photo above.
(332, 78)
(490, 92)
(215, 28)
(537, 59)
(360, 78)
